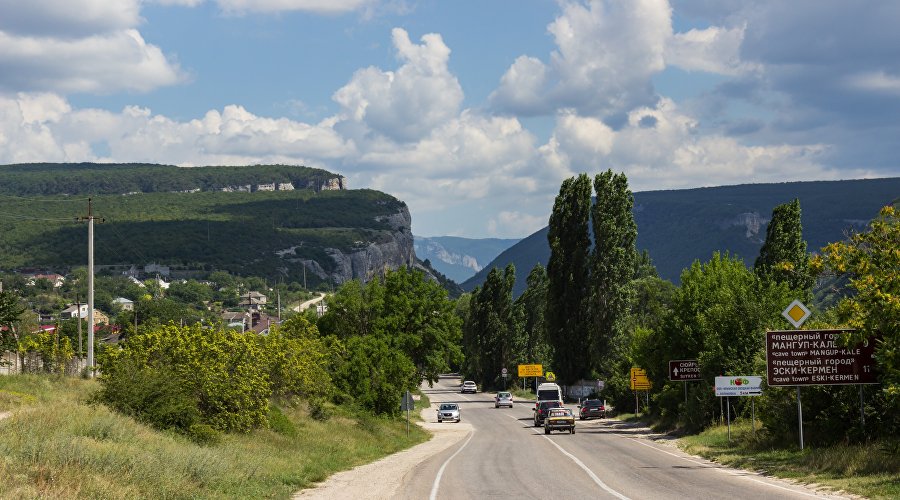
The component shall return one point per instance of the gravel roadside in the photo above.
(368, 481)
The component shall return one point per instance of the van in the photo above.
(549, 392)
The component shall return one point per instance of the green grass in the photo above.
(871, 470)
(55, 445)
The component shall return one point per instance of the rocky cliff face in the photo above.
(393, 251)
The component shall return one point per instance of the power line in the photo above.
(28, 217)
(44, 200)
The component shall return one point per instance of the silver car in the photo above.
(503, 399)
(448, 411)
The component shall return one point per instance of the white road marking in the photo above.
(437, 479)
(720, 469)
(583, 467)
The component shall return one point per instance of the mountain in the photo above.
(459, 258)
(278, 221)
(678, 227)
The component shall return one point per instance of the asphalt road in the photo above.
(506, 457)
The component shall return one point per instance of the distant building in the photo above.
(55, 279)
(125, 304)
(157, 269)
(265, 187)
(285, 186)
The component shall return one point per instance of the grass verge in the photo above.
(871, 470)
(55, 445)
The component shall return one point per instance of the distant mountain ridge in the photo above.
(678, 227)
(459, 258)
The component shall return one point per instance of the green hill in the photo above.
(680, 226)
(264, 233)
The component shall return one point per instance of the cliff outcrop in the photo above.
(393, 249)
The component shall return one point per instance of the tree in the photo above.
(612, 260)
(531, 308)
(567, 277)
(10, 314)
(783, 257)
(493, 325)
(872, 260)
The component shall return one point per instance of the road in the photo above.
(504, 456)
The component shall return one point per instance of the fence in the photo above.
(12, 363)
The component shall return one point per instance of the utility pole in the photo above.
(90, 351)
(80, 343)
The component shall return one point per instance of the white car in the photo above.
(503, 399)
(448, 411)
(469, 386)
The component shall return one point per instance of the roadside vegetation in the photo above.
(58, 443)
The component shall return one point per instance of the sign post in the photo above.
(532, 370)
(639, 382)
(737, 386)
(684, 370)
(407, 404)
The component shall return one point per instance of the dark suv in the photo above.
(542, 408)
(592, 408)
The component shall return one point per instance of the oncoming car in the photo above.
(559, 419)
(469, 386)
(503, 399)
(448, 411)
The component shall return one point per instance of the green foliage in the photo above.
(491, 328)
(530, 309)
(871, 260)
(612, 263)
(297, 360)
(10, 314)
(224, 371)
(280, 423)
(783, 257)
(394, 332)
(567, 271)
(52, 351)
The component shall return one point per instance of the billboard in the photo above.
(741, 385)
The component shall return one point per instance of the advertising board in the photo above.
(741, 385)
(816, 357)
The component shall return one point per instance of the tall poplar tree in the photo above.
(612, 260)
(531, 307)
(567, 275)
(783, 257)
(492, 325)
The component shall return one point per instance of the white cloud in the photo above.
(119, 60)
(714, 50)
(875, 81)
(408, 104)
(513, 222)
(67, 19)
(607, 51)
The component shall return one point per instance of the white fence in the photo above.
(12, 363)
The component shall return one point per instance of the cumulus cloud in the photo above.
(507, 222)
(714, 50)
(607, 51)
(407, 104)
(79, 46)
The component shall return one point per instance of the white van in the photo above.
(549, 392)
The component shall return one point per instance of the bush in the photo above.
(203, 434)
(279, 422)
(224, 372)
(151, 396)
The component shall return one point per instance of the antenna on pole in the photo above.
(90, 348)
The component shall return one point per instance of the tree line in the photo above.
(599, 309)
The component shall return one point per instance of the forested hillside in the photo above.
(679, 226)
(274, 234)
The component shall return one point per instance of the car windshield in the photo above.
(592, 404)
(550, 404)
(448, 406)
(504, 395)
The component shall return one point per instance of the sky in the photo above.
(471, 111)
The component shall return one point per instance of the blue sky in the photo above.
(472, 112)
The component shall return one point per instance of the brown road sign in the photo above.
(816, 357)
(684, 370)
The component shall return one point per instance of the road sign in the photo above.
(682, 370)
(503, 371)
(816, 357)
(600, 385)
(408, 403)
(796, 313)
(739, 386)
(639, 380)
(550, 376)
(531, 370)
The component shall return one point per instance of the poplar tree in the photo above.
(612, 260)
(493, 325)
(531, 308)
(567, 280)
(783, 257)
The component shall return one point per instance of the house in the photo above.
(266, 187)
(253, 300)
(81, 311)
(55, 279)
(235, 319)
(285, 186)
(122, 302)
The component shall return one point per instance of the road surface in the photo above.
(504, 456)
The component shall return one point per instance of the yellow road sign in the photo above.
(639, 380)
(531, 370)
(550, 376)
